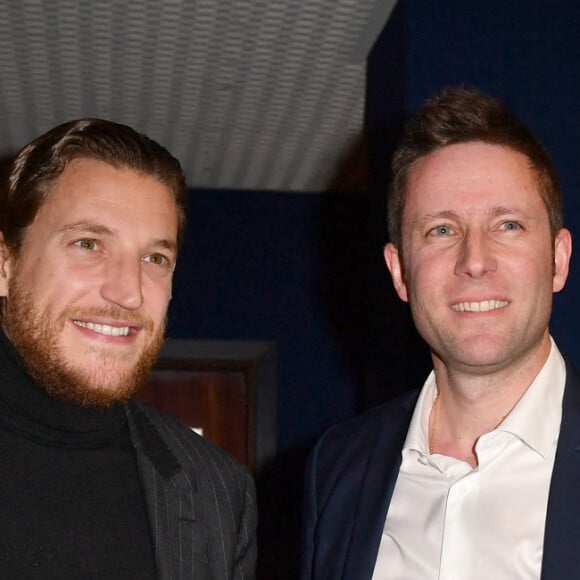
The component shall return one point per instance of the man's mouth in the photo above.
(483, 306)
(105, 329)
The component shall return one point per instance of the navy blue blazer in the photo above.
(351, 477)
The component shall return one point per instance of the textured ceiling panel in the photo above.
(248, 94)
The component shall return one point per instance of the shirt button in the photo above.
(423, 460)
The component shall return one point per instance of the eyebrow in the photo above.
(88, 227)
(101, 230)
(445, 214)
(165, 244)
(501, 210)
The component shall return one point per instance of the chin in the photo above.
(104, 385)
(86, 393)
(479, 352)
(486, 361)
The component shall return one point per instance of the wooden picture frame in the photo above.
(225, 390)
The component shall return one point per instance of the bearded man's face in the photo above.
(87, 293)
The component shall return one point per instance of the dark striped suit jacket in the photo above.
(201, 502)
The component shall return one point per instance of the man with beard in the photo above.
(474, 476)
(96, 484)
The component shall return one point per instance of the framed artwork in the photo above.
(224, 390)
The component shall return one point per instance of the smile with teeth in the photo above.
(484, 306)
(105, 329)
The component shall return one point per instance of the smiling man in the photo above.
(95, 484)
(474, 476)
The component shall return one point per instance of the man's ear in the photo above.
(562, 254)
(395, 266)
(5, 266)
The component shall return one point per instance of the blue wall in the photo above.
(283, 267)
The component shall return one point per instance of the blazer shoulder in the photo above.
(572, 374)
(193, 452)
(353, 441)
(195, 481)
(364, 427)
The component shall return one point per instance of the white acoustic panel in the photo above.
(248, 94)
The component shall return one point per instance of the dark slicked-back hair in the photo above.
(460, 115)
(28, 178)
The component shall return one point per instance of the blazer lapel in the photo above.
(169, 494)
(376, 491)
(561, 557)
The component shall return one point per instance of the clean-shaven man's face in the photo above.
(479, 264)
(87, 293)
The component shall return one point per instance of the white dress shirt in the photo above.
(449, 521)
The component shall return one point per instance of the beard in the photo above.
(35, 335)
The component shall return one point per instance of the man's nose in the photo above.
(122, 283)
(476, 257)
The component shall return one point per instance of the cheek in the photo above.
(156, 300)
(59, 289)
(532, 268)
(431, 284)
(427, 276)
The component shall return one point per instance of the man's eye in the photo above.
(441, 231)
(86, 244)
(510, 226)
(158, 259)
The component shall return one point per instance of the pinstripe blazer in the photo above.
(200, 501)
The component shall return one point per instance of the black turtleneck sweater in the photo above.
(71, 507)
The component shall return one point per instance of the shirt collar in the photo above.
(418, 433)
(535, 419)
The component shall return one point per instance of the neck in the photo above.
(26, 408)
(468, 404)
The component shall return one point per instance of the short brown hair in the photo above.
(460, 115)
(29, 177)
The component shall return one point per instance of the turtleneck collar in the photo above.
(25, 408)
